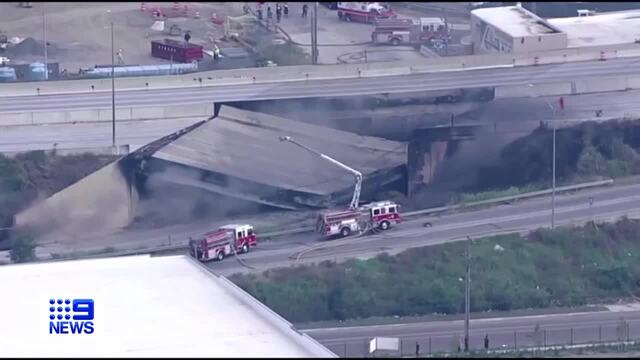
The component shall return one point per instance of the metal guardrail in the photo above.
(306, 229)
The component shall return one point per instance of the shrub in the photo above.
(22, 248)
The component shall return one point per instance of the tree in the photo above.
(22, 249)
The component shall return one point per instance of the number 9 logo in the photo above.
(83, 309)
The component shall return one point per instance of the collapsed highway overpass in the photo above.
(236, 155)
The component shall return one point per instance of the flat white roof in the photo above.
(515, 21)
(144, 306)
(611, 28)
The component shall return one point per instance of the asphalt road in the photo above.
(513, 114)
(609, 203)
(507, 332)
(339, 87)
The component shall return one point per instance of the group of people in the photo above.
(280, 10)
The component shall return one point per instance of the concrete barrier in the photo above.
(545, 89)
(16, 119)
(106, 115)
(600, 85)
(96, 150)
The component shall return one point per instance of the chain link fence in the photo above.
(535, 336)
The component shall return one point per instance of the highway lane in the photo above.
(609, 203)
(555, 329)
(88, 135)
(512, 114)
(336, 87)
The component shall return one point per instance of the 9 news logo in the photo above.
(81, 311)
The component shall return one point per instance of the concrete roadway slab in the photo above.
(246, 145)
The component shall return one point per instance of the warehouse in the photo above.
(143, 306)
(514, 29)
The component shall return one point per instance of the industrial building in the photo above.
(143, 306)
(514, 29)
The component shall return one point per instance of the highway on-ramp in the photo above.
(608, 203)
(503, 332)
(365, 85)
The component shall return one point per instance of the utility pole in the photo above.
(113, 91)
(44, 35)
(553, 181)
(314, 34)
(467, 297)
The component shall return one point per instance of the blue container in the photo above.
(7, 74)
(37, 71)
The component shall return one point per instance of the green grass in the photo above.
(564, 267)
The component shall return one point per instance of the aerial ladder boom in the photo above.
(358, 175)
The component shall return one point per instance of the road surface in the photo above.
(609, 203)
(502, 76)
(555, 329)
(514, 114)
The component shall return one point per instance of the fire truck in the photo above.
(367, 12)
(410, 31)
(377, 215)
(227, 240)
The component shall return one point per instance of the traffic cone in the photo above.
(176, 6)
(197, 15)
(143, 7)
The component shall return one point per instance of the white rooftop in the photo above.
(144, 306)
(514, 21)
(611, 28)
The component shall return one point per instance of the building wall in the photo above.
(488, 39)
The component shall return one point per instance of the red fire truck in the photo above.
(367, 12)
(377, 215)
(227, 240)
(410, 31)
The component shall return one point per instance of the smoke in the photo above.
(178, 195)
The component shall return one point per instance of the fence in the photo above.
(520, 338)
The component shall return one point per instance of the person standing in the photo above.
(417, 349)
(278, 12)
(486, 341)
(269, 13)
(286, 10)
(304, 10)
(216, 52)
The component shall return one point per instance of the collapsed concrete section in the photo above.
(239, 154)
(231, 160)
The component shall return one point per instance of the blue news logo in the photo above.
(81, 311)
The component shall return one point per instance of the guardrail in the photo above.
(305, 229)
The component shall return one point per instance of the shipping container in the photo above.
(177, 51)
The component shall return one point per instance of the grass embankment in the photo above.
(563, 267)
(38, 174)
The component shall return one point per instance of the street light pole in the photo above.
(467, 297)
(553, 165)
(113, 92)
(44, 35)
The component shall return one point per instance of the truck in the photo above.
(227, 240)
(410, 31)
(377, 215)
(366, 12)
(344, 222)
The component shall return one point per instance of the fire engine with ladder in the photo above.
(356, 219)
(228, 240)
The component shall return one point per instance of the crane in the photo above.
(358, 175)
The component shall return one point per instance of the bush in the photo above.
(568, 266)
(22, 248)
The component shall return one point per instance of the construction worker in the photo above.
(304, 10)
(278, 12)
(286, 10)
(417, 349)
(486, 342)
(216, 52)
(245, 9)
(269, 13)
(259, 11)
